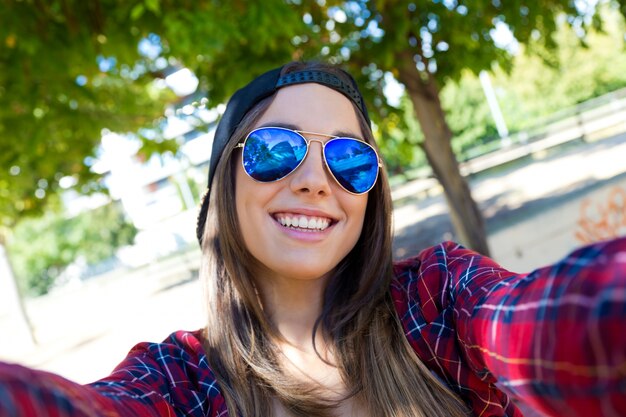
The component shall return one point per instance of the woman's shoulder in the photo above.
(180, 358)
(418, 278)
(425, 289)
(176, 368)
(178, 351)
(187, 343)
(441, 281)
(405, 268)
(166, 378)
(439, 266)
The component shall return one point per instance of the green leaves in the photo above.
(137, 11)
(42, 248)
(69, 69)
(55, 98)
(154, 6)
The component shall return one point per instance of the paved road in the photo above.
(532, 211)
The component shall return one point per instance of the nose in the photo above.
(311, 177)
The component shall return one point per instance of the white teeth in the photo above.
(303, 222)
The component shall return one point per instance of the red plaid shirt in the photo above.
(553, 340)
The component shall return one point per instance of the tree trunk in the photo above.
(424, 94)
(16, 304)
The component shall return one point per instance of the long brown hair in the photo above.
(373, 356)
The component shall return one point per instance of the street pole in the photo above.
(16, 303)
(494, 107)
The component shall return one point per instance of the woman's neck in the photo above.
(292, 306)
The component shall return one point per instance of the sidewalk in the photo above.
(532, 210)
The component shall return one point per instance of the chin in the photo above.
(304, 271)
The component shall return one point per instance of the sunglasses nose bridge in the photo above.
(309, 143)
(313, 172)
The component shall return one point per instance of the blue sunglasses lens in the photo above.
(270, 154)
(354, 164)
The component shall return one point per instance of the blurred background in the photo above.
(502, 126)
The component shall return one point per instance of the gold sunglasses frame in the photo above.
(308, 141)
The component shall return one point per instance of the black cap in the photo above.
(247, 97)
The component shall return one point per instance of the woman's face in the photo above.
(310, 192)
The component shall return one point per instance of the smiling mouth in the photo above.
(303, 223)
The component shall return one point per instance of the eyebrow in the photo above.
(338, 133)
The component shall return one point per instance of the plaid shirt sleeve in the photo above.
(155, 380)
(553, 341)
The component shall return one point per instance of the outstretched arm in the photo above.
(554, 339)
(156, 379)
(26, 392)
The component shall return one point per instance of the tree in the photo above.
(577, 74)
(43, 247)
(70, 68)
(425, 44)
(63, 80)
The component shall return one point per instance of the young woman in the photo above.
(308, 316)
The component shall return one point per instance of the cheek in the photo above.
(240, 190)
(355, 209)
(251, 201)
(243, 205)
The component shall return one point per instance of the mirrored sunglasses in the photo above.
(272, 153)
